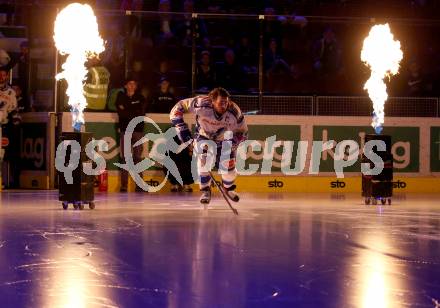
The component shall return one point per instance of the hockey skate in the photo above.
(175, 188)
(223, 192)
(206, 195)
(187, 188)
(231, 193)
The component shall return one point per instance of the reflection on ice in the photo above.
(166, 251)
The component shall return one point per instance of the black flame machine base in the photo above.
(379, 187)
(80, 191)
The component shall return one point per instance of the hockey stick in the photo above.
(223, 194)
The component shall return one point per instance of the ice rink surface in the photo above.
(283, 250)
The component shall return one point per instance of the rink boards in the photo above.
(416, 150)
(281, 183)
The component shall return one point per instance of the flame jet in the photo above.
(76, 35)
(382, 54)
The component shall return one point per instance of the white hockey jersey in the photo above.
(8, 103)
(209, 125)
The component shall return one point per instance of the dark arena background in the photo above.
(310, 238)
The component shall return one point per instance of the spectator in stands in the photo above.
(246, 55)
(205, 73)
(134, 21)
(23, 66)
(215, 7)
(292, 19)
(163, 100)
(273, 61)
(272, 26)
(206, 44)
(130, 104)
(417, 83)
(230, 74)
(112, 97)
(163, 71)
(113, 57)
(5, 60)
(22, 101)
(327, 54)
(7, 11)
(184, 27)
(138, 70)
(166, 33)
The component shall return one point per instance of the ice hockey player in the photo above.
(8, 100)
(216, 117)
